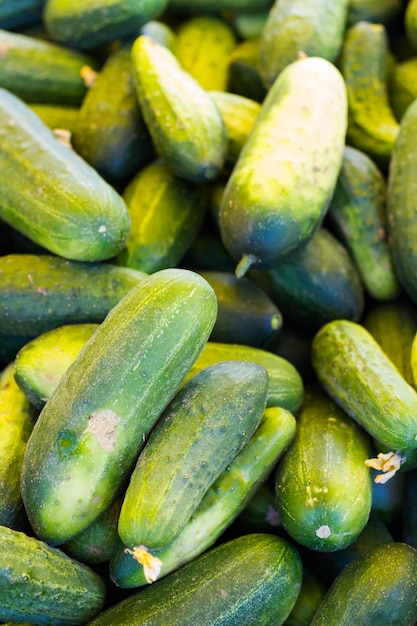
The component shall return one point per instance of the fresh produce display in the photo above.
(208, 312)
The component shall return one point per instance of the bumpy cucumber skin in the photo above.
(110, 133)
(90, 432)
(358, 213)
(92, 24)
(401, 203)
(183, 457)
(221, 504)
(284, 178)
(38, 70)
(41, 292)
(314, 28)
(64, 205)
(359, 376)
(323, 486)
(253, 579)
(42, 585)
(378, 588)
(185, 124)
(17, 417)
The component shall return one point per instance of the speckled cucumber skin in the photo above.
(87, 438)
(358, 375)
(284, 178)
(64, 205)
(323, 487)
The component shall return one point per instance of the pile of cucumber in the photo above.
(208, 312)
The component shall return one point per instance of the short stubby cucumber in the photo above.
(87, 438)
(64, 205)
(200, 432)
(283, 180)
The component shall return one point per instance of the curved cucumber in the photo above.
(268, 211)
(90, 432)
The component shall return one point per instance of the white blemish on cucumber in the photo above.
(323, 532)
(103, 424)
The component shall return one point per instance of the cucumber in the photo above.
(360, 377)
(160, 31)
(378, 588)
(57, 116)
(410, 22)
(90, 432)
(64, 205)
(401, 203)
(259, 514)
(20, 13)
(204, 6)
(313, 28)
(311, 594)
(220, 505)
(252, 579)
(39, 292)
(110, 133)
(37, 70)
(183, 457)
(402, 86)
(185, 124)
(17, 418)
(41, 362)
(323, 486)
(42, 585)
(378, 11)
(267, 212)
(244, 76)
(357, 212)
(90, 25)
(166, 214)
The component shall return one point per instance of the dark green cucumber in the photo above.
(203, 46)
(64, 205)
(166, 214)
(267, 212)
(246, 314)
(41, 362)
(43, 586)
(360, 377)
(200, 432)
(110, 133)
(315, 284)
(313, 28)
(89, 25)
(244, 76)
(41, 292)
(90, 432)
(185, 124)
(378, 11)
(378, 588)
(401, 202)
(311, 594)
(259, 514)
(20, 13)
(220, 505)
(17, 417)
(358, 214)
(252, 579)
(38, 70)
(323, 486)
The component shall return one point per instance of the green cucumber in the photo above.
(215, 6)
(166, 214)
(20, 13)
(64, 205)
(267, 212)
(246, 314)
(17, 418)
(259, 514)
(203, 46)
(89, 25)
(357, 212)
(90, 432)
(252, 579)
(402, 86)
(311, 594)
(57, 116)
(323, 486)
(401, 203)
(378, 11)
(244, 77)
(160, 31)
(42, 585)
(38, 70)
(39, 292)
(185, 124)
(410, 22)
(221, 504)
(312, 28)
(41, 362)
(360, 377)
(200, 432)
(378, 588)
(110, 133)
